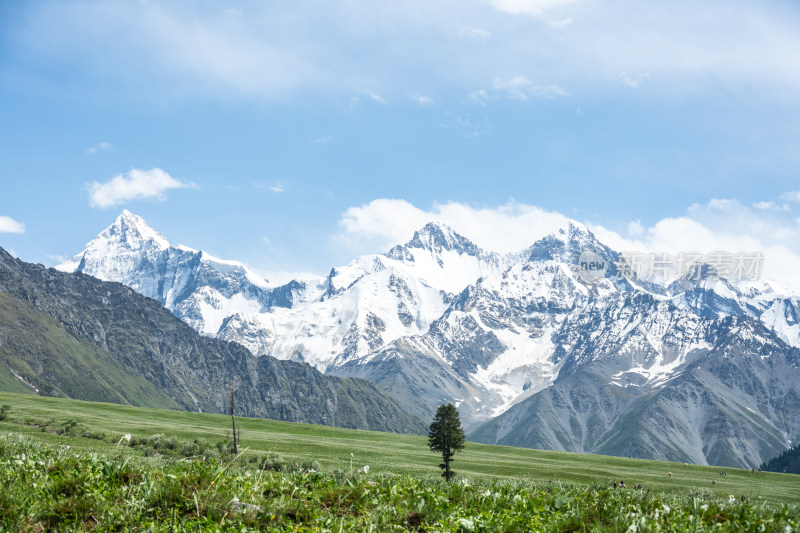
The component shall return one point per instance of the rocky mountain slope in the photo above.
(530, 344)
(75, 336)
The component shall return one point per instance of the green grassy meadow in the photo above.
(391, 453)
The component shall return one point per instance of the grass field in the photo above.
(331, 448)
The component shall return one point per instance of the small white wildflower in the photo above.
(366, 469)
(632, 528)
(666, 508)
(487, 493)
(704, 507)
(467, 524)
(235, 499)
(127, 437)
(23, 456)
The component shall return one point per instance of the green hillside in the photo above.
(383, 452)
(71, 367)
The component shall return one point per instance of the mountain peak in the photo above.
(567, 244)
(133, 231)
(435, 238)
(437, 235)
(128, 234)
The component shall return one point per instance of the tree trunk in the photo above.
(233, 421)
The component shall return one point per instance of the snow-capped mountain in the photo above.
(511, 339)
(202, 290)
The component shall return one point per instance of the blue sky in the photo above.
(294, 135)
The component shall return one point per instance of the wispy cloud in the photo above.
(134, 185)
(520, 87)
(58, 259)
(771, 205)
(375, 97)
(422, 99)
(274, 187)
(98, 147)
(480, 96)
(9, 225)
(323, 140)
(529, 7)
(561, 23)
(263, 50)
(634, 81)
(516, 88)
(474, 33)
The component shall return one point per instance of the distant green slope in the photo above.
(52, 362)
(387, 452)
(75, 336)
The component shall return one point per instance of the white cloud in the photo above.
(635, 228)
(421, 99)
(724, 224)
(277, 188)
(474, 33)
(382, 223)
(96, 148)
(9, 225)
(529, 7)
(791, 196)
(721, 224)
(323, 140)
(134, 185)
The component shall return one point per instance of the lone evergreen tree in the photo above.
(446, 436)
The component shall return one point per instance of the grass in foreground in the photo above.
(68, 465)
(98, 428)
(50, 487)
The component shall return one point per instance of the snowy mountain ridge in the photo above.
(440, 319)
